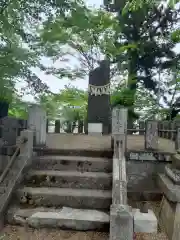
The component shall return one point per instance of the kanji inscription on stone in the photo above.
(151, 136)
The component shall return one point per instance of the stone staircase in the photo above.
(70, 191)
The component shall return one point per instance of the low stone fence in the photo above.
(152, 130)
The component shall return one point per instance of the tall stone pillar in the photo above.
(37, 122)
(99, 108)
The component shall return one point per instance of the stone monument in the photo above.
(99, 108)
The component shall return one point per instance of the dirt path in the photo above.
(20, 233)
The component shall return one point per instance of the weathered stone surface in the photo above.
(168, 217)
(77, 163)
(75, 198)
(143, 175)
(9, 130)
(145, 222)
(176, 161)
(151, 135)
(69, 179)
(77, 219)
(170, 190)
(173, 174)
(121, 223)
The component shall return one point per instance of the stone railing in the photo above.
(121, 217)
(152, 129)
(13, 172)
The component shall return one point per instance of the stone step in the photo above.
(90, 152)
(58, 197)
(76, 163)
(69, 179)
(64, 218)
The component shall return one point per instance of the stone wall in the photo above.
(142, 175)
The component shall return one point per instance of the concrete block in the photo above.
(145, 222)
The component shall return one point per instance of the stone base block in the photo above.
(121, 222)
(145, 222)
(95, 129)
(169, 218)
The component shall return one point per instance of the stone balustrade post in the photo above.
(151, 135)
(121, 218)
(37, 122)
(177, 142)
(26, 149)
(141, 127)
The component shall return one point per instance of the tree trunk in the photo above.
(80, 126)
(85, 126)
(57, 126)
(47, 126)
(4, 106)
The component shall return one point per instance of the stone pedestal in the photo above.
(37, 122)
(169, 183)
(121, 222)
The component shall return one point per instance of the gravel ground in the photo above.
(22, 233)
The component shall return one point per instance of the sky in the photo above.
(56, 84)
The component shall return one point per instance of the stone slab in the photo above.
(173, 174)
(145, 222)
(77, 219)
(170, 190)
(64, 218)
